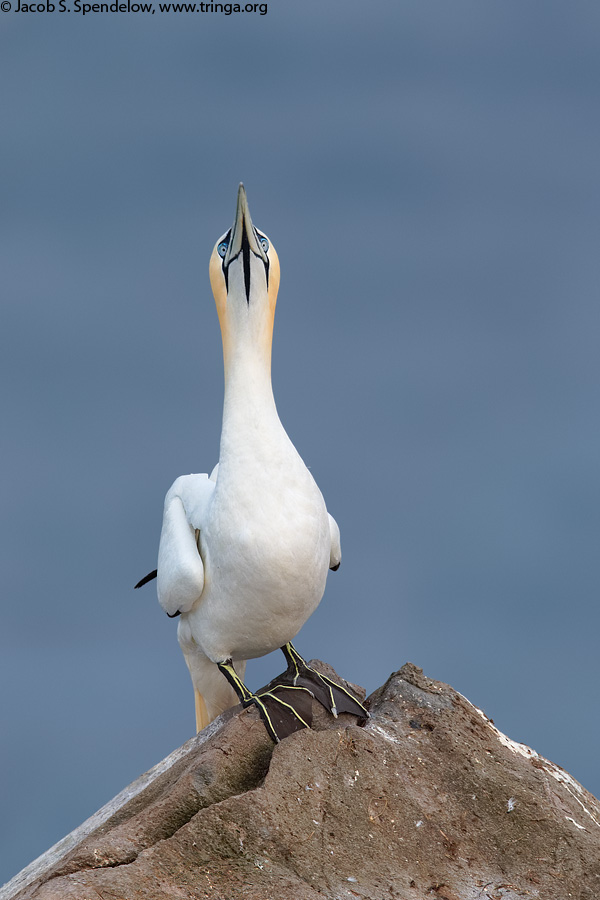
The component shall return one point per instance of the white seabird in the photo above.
(244, 553)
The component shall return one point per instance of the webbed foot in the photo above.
(335, 698)
(285, 704)
(284, 708)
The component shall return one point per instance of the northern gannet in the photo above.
(244, 553)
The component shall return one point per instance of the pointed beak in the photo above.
(243, 237)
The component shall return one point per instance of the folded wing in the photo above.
(335, 555)
(180, 579)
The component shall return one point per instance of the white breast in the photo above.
(266, 546)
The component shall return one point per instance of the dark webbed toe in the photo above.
(285, 704)
(283, 707)
(284, 710)
(333, 696)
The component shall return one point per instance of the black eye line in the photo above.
(246, 259)
(267, 263)
(225, 240)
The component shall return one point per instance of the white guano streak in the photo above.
(569, 784)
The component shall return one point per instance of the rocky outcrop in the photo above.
(428, 801)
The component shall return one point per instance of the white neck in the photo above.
(251, 426)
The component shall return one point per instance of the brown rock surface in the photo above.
(427, 802)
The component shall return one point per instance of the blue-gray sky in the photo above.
(429, 174)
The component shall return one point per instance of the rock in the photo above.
(428, 801)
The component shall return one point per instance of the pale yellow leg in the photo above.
(202, 719)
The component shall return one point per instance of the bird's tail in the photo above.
(202, 718)
(212, 693)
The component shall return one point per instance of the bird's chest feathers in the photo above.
(268, 522)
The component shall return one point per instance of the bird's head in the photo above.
(244, 275)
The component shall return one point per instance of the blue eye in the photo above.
(222, 249)
(264, 243)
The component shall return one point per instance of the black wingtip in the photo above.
(149, 577)
(334, 568)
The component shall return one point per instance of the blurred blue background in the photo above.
(429, 174)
